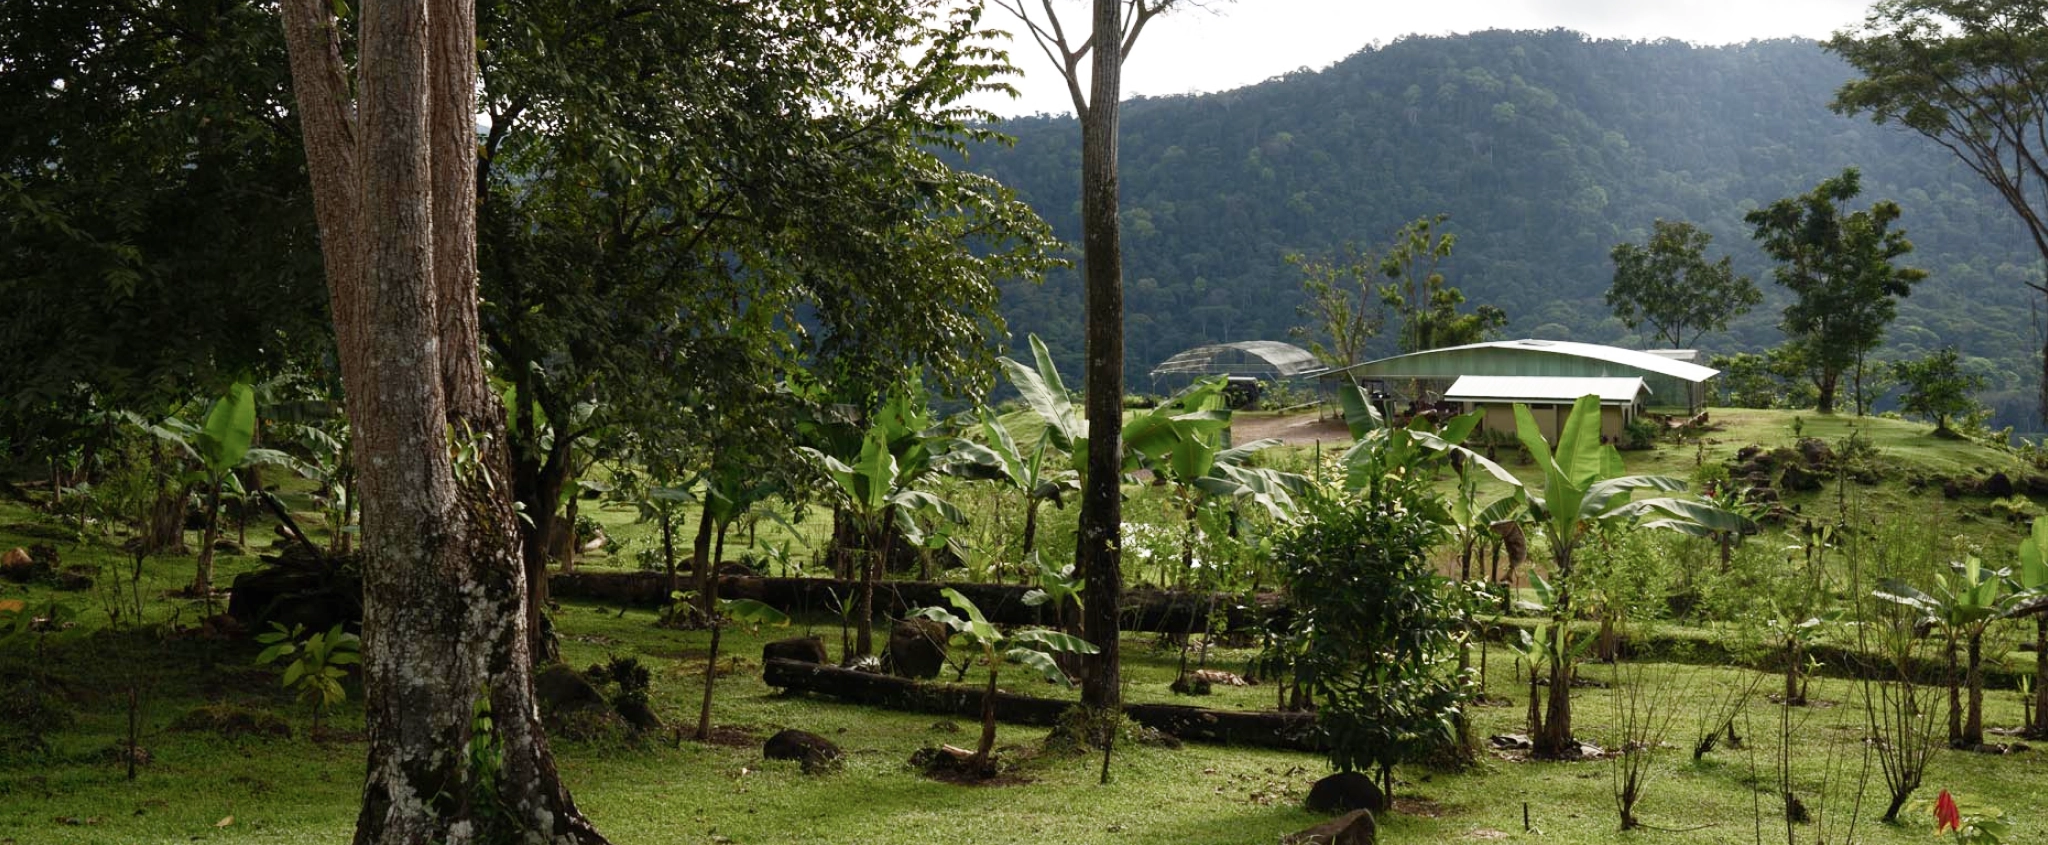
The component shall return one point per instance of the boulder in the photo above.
(800, 649)
(636, 713)
(1344, 792)
(1998, 486)
(1353, 828)
(1816, 452)
(917, 648)
(561, 689)
(813, 751)
(16, 565)
(298, 587)
(1801, 478)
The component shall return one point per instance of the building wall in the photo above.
(1550, 419)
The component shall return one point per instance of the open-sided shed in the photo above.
(1550, 400)
(1269, 360)
(1675, 385)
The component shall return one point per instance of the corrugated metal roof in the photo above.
(1631, 358)
(1284, 359)
(1612, 391)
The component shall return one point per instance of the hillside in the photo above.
(1547, 148)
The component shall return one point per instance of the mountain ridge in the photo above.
(1547, 148)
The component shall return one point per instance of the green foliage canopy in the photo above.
(1669, 284)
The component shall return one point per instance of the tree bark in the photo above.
(2040, 726)
(202, 576)
(1973, 720)
(444, 627)
(710, 595)
(1099, 549)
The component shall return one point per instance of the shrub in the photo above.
(1379, 626)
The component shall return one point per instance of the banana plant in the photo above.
(1033, 648)
(1030, 474)
(897, 452)
(1046, 395)
(218, 446)
(1181, 442)
(2033, 582)
(1963, 604)
(1585, 489)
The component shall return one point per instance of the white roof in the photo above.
(1560, 389)
(1635, 358)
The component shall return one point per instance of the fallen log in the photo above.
(1144, 609)
(1261, 729)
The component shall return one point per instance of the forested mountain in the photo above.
(1547, 149)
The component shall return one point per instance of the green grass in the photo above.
(298, 791)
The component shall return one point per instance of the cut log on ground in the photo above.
(1144, 609)
(1262, 729)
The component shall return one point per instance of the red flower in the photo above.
(1946, 816)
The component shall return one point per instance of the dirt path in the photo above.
(1294, 429)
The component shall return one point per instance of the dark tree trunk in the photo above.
(1973, 719)
(668, 550)
(701, 567)
(2040, 727)
(988, 722)
(709, 588)
(1099, 548)
(537, 482)
(1826, 383)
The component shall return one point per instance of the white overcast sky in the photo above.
(1233, 44)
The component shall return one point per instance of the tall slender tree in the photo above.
(1113, 32)
(392, 158)
(1971, 76)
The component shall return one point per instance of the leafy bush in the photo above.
(1379, 626)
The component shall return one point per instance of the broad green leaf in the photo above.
(1580, 454)
(1460, 427)
(1359, 414)
(753, 612)
(1043, 391)
(1038, 661)
(1054, 641)
(229, 428)
(1531, 435)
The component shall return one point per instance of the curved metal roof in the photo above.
(1281, 359)
(1633, 359)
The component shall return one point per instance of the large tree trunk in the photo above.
(1827, 383)
(537, 481)
(444, 623)
(2040, 726)
(1973, 720)
(1099, 549)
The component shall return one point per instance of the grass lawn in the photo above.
(206, 787)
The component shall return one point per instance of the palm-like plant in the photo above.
(1962, 605)
(1033, 648)
(1584, 489)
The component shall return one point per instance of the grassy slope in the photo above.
(296, 791)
